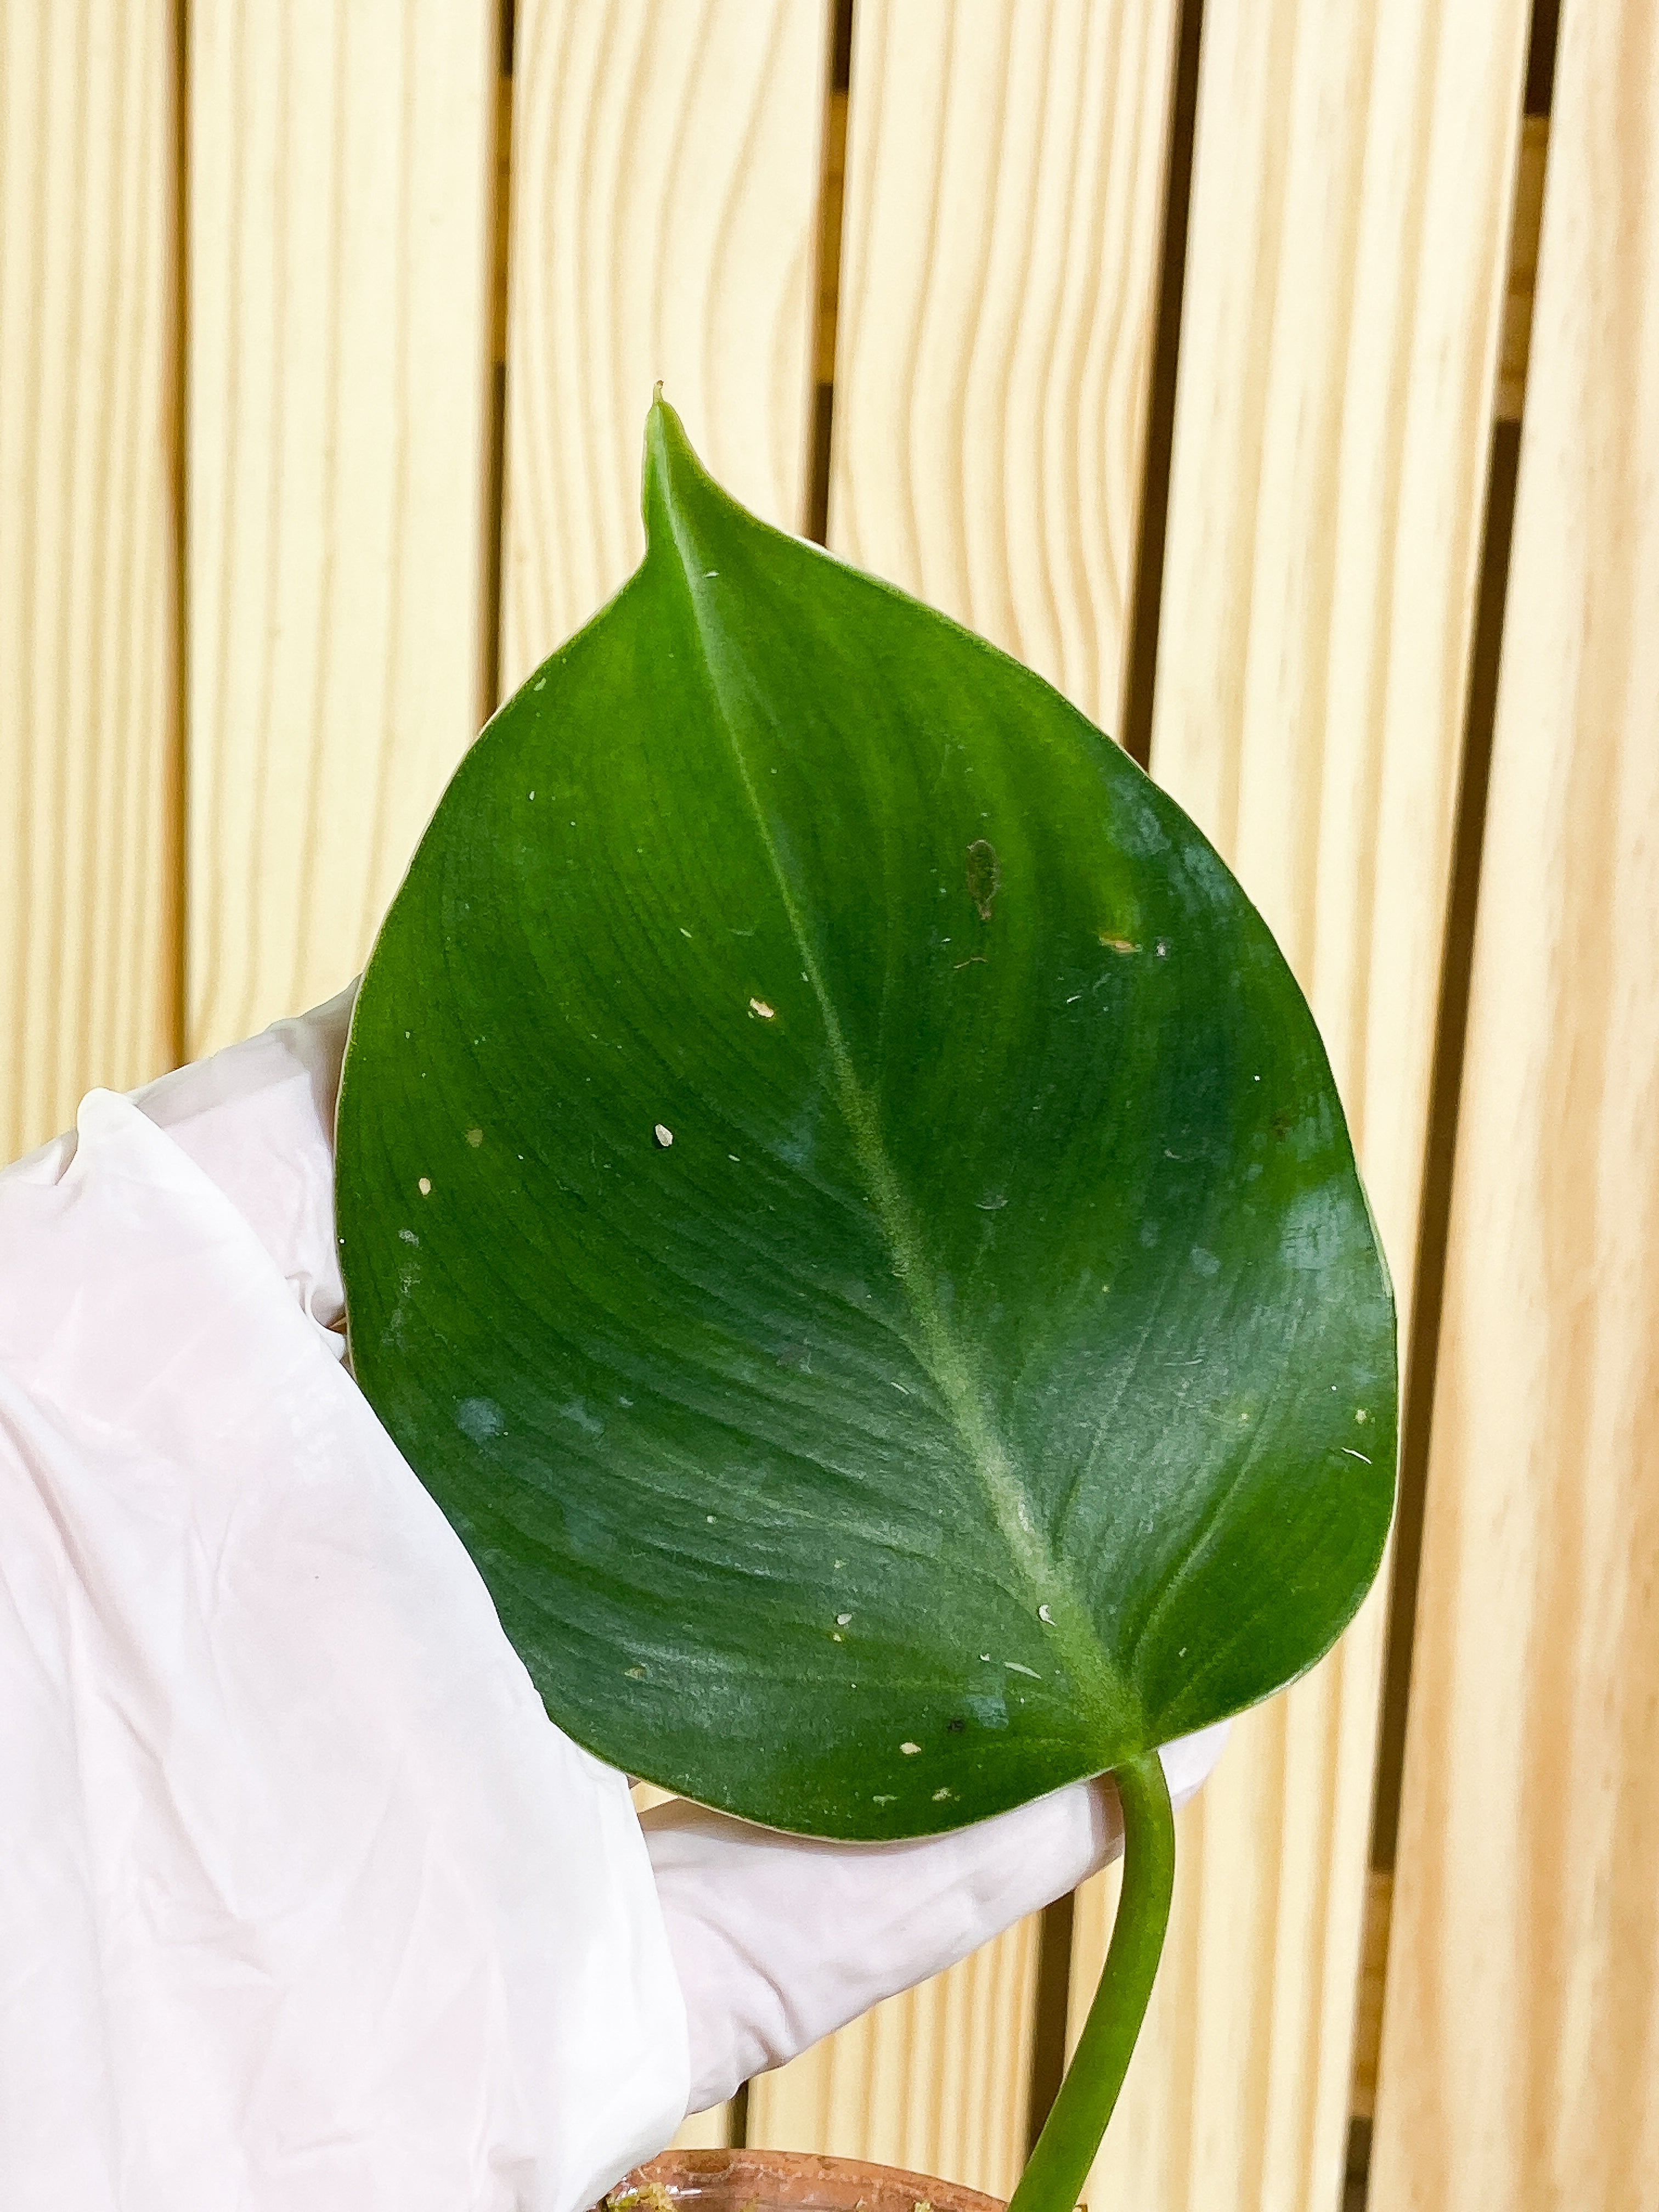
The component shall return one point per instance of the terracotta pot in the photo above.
(789, 2181)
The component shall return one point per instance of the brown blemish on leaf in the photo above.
(984, 875)
(978, 960)
(1118, 944)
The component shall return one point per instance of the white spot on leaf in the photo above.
(479, 1419)
(909, 1749)
(759, 1006)
(664, 1136)
(424, 1186)
(576, 1411)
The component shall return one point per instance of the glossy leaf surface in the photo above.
(845, 1207)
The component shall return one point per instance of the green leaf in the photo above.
(845, 1208)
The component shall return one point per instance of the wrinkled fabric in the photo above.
(311, 1902)
(306, 1906)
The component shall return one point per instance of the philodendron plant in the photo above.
(845, 1207)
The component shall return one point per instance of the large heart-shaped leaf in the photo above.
(845, 1207)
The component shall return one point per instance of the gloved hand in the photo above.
(308, 1902)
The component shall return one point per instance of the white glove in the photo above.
(307, 1903)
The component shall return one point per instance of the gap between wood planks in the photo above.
(1147, 598)
(1451, 1028)
(494, 516)
(826, 290)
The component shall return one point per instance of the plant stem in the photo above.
(1071, 2135)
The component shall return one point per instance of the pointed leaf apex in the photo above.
(670, 469)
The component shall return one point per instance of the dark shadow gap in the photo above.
(1541, 55)
(1054, 1988)
(736, 2119)
(495, 460)
(1357, 2167)
(826, 292)
(1148, 590)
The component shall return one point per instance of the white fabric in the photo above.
(305, 1901)
(305, 1906)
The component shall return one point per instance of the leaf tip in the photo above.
(668, 456)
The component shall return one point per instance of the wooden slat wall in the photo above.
(180, 864)
(1521, 2030)
(1352, 191)
(87, 558)
(341, 219)
(666, 175)
(1004, 206)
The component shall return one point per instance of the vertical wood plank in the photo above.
(665, 206)
(1005, 204)
(1520, 2025)
(342, 191)
(1006, 168)
(1354, 178)
(88, 554)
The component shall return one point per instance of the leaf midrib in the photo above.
(943, 1356)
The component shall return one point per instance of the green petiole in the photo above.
(1059, 2166)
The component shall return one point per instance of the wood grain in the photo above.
(342, 190)
(89, 716)
(1344, 280)
(665, 209)
(1004, 201)
(1005, 204)
(1520, 2060)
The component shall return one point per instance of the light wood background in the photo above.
(1182, 350)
